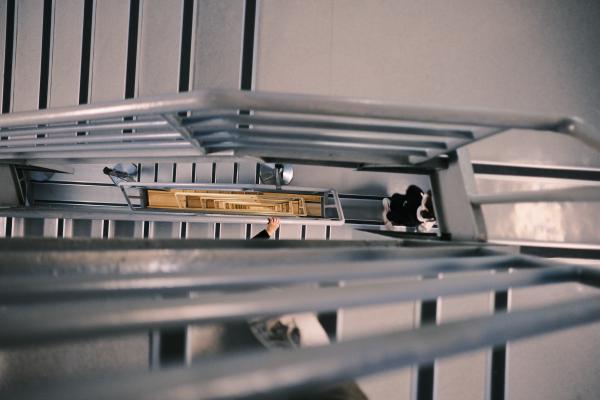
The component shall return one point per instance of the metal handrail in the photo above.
(181, 113)
(283, 371)
(105, 306)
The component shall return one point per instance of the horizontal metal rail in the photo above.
(123, 213)
(264, 374)
(226, 122)
(355, 119)
(97, 149)
(24, 325)
(141, 153)
(38, 277)
(19, 289)
(332, 139)
(263, 144)
(109, 138)
(100, 126)
(410, 246)
(183, 256)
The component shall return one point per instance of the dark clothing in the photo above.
(403, 207)
(262, 235)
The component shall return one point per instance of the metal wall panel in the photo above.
(561, 365)
(203, 173)
(315, 232)
(109, 54)
(361, 321)
(50, 227)
(246, 173)
(293, 47)
(164, 173)
(97, 228)
(218, 44)
(33, 227)
(183, 173)
(66, 53)
(158, 73)
(65, 64)
(122, 229)
(28, 53)
(226, 173)
(18, 227)
(26, 76)
(285, 231)
(109, 44)
(37, 365)
(159, 46)
(465, 376)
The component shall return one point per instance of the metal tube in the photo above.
(101, 156)
(263, 374)
(20, 289)
(100, 146)
(13, 144)
(322, 156)
(25, 325)
(87, 127)
(313, 146)
(281, 102)
(355, 126)
(177, 256)
(359, 139)
(581, 130)
(124, 213)
(106, 110)
(364, 108)
(83, 150)
(304, 104)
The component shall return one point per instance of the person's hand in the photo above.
(272, 225)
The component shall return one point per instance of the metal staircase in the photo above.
(57, 291)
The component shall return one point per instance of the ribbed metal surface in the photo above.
(279, 134)
(117, 301)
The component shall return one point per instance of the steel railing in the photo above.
(264, 125)
(284, 127)
(129, 286)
